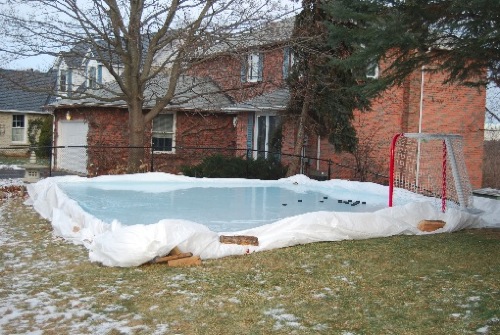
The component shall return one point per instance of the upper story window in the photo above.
(63, 77)
(18, 128)
(92, 77)
(65, 80)
(372, 70)
(288, 61)
(163, 133)
(252, 68)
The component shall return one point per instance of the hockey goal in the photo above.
(432, 165)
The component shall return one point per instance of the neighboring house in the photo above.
(23, 95)
(78, 70)
(249, 75)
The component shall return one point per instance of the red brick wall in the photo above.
(225, 70)
(452, 109)
(109, 127)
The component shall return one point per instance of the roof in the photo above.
(192, 93)
(25, 91)
(275, 100)
(269, 34)
(78, 54)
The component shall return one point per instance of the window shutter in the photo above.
(250, 131)
(70, 80)
(99, 74)
(244, 65)
(286, 62)
(261, 67)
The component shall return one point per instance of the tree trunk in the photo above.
(294, 167)
(136, 138)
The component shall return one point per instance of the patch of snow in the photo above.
(11, 182)
(483, 330)
(234, 300)
(10, 167)
(283, 319)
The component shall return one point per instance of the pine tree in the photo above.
(323, 94)
(459, 37)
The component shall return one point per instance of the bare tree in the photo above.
(148, 39)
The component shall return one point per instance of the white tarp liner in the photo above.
(119, 245)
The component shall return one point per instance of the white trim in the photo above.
(174, 132)
(25, 129)
(256, 133)
(253, 59)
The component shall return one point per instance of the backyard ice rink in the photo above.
(113, 243)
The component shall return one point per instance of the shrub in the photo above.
(40, 136)
(219, 166)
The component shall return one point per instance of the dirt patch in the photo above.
(11, 191)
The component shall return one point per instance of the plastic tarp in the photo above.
(124, 246)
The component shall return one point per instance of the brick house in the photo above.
(23, 95)
(249, 92)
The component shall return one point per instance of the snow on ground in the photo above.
(118, 245)
(11, 182)
(10, 167)
(27, 306)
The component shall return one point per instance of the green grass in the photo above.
(433, 284)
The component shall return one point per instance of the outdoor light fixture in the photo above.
(68, 116)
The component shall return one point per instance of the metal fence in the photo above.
(101, 160)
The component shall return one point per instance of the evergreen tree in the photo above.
(324, 95)
(459, 37)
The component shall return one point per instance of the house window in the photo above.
(163, 133)
(92, 80)
(252, 68)
(288, 61)
(372, 70)
(268, 139)
(63, 80)
(18, 128)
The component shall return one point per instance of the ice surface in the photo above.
(219, 207)
(113, 243)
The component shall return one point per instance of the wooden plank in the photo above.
(168, 258)
(239, 239)
(430, 225)
(175, 251)
(185, 262)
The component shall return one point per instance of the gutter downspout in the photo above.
(420, 118)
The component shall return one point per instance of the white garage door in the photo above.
(72, 133)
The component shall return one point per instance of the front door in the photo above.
(268, 139)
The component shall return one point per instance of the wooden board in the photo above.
(171, 257)
(430, 225)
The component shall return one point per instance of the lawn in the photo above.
(433, 284)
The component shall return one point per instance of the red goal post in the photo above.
(432, 165)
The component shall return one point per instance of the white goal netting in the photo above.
(432, 165)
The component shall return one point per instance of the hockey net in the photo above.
(432, 165)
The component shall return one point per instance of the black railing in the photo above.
(99, 160)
